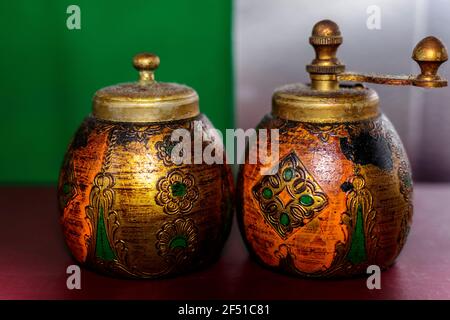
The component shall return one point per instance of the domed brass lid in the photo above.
(145, 100)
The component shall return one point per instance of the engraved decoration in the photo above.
(406, 187)
(67, 188)
(164, 150)
(104, 247)
(360, 218)
(177, 192)
(177, 241)
(362, 239)
(325, 131)
(290, 198)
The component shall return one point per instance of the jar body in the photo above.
(128, 210)
(339, 201)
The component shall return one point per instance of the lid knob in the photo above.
(325, 38)
(429, 54)
(146, 63)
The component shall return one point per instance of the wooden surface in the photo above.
(33, 261)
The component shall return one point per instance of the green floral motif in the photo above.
(177, 192)
(177, 241)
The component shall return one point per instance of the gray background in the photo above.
(271, 49)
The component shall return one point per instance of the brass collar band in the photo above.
(145, 111)
(299, 102)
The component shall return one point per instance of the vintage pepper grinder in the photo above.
(126, 208)
(340, 199)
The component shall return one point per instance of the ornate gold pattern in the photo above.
(359, 200)
(290, 198)
(177, 241)
(111, 253)
(177, 192)
(100, 212)
(406, 187)
(405, 179)
(325, 131)
(164, 150)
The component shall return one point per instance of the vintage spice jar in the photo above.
(340, 198)
(126, 208)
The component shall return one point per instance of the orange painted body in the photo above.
(340, 201)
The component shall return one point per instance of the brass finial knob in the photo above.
(429, 54)
(146, 64)
(323, 70)
(325, 38)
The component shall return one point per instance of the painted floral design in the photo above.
(177, 241)
(164, 150)
(177, 192)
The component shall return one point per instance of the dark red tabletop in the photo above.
(33, 261)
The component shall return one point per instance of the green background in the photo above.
(50, 73)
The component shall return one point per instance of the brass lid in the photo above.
(145, 100)
(349, 103)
